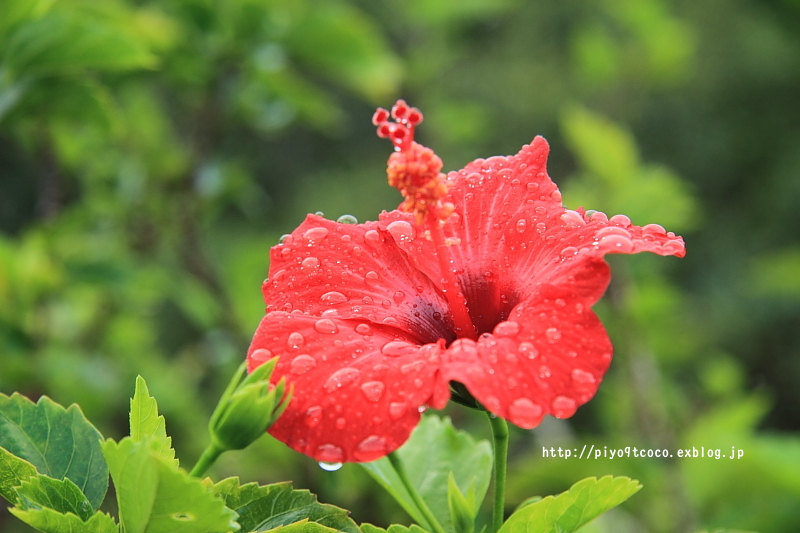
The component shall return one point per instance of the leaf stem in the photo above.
(412, 490)
(500, 446)
(209, 457)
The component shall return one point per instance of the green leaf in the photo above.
(147, 424)
(394, 528)
(13, 471)
(570, 510)
(50, 521)
(59, 442)
(262, 508)
(434, 450)
(154, 496)
(61, 495)
(462, 508)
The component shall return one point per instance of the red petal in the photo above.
(354, 271)
(548, 358)
(357, 386)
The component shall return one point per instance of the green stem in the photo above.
(210, 455)
(500, 437)
(421, 505)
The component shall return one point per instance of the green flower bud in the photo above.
(248, 407)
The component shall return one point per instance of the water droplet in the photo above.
(371, 278)
(302, 364)
(544, 372)
(560, 302)
(373, 390)
(346, 238)
(181, 517)
(373, 238)
(533, 186)
(615, 243)
(390, 320)
(540, 210)
(310, 264)
(654, 229)
(521, 225)
(326, 325)
(285, 239)
(415, 366)
(330, 467)
(583, 377)
(386, 304)
(262, 355)
(341, 422)
(556, 195)
(527, 349)
(595, 216)
(397, 410)
(540, 227)
(313, 416)
(333, 297)
(418, 383)
(620, 220)
(398, 348)
(506, 329)
(552, 335)
(340, 378)
(524, 413)
(347, 219)
(564, 407)
(401, 230)
(569, 251)
(363, 329)
(399, 296)
(295, 340)
(369, 449)
(315, 235)
(330, 313)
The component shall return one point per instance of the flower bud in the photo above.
(248, 407)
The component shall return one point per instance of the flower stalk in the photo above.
(500, 448)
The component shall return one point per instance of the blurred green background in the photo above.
(152, 151)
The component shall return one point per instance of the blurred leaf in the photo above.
(13, 471)
(777, 273)
(50, 521)
(263, 508)
(59, 442)
(155, 496)
(583, 502)
(15, 11)
(434, 451)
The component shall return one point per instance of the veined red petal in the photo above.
(355, 271)
(358, 386)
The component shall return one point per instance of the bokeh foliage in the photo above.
(152, 151)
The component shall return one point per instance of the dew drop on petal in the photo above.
(560, 302)
(333, 297)
(552, 335)
(544, 372)
(373, 390)
(302, 364)
(615, 243)
(310, 264)
(390, 321)
(569, 251)
(373, 238)
(414, 366)
(521, 225)
(556, 195)
(329, 467)
(363, 329)
(654, 229)
(285, 239)
(398, 348)
(527, 349)
(315, 235)
(313, 416)
(540, 210)
(326, 325)
(341, 422)
(524, 413)
(401, 230)
(369, 449)
(340, 378)
(347, 219)
(371, 278)
(533, 186)
(564, 407)
(572, 219)
(295, 340)
(506, 329)
(583, 377)
(262, 355)
(399, 296)
(397, 410)
(620, 220)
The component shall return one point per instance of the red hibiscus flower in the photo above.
(482, 281)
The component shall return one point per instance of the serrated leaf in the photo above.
(262, 508)
(59, 442)
(304, 526)
(570, 510)
(146, 423)
(50, 521)
(13, 471)
(154, 496)
(394, 528)
(61, 495)
(434, 450)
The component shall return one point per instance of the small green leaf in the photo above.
(570, 510)
(262, 508)
(154, 496)
(50, 521)
(61, 495)
(59, 442)
(462, 509)
(13, 471)
(434, 450)
(394, 528)
(146, 423)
